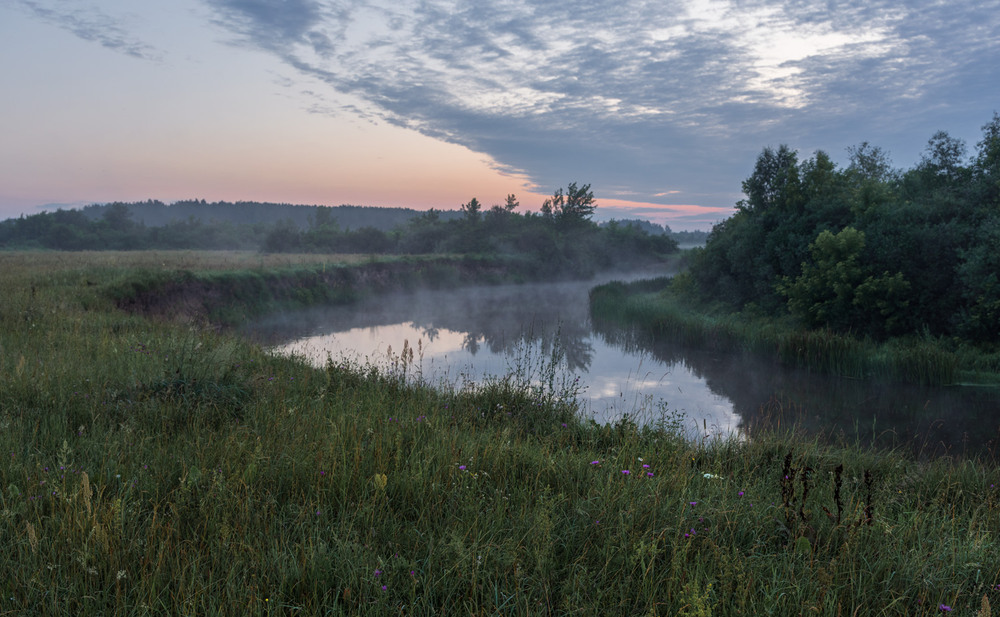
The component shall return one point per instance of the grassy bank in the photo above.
(654, 306)
(243, 287)
(158, 467)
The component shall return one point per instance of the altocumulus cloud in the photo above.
(91, 23)
(658, 98)
(659, 102)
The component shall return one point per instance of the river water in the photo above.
(468, 334)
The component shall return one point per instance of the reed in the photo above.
(671, 315)
(158, 467)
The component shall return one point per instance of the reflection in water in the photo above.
(467, 334)
(929, 421)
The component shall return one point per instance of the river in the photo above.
(467, 334)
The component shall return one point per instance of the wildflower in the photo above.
(645, 465)
(462, 467)
(740, 493)
(649, 474)
(944, 608)
(693, 503)
(384, 587)
(378, 573)
(595, 462)
(626, 472)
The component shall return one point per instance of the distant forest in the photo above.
(867, 249)
(563, 234)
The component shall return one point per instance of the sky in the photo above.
(662, 106)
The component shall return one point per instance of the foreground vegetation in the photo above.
(155, 467)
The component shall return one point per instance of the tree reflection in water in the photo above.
(621, 368)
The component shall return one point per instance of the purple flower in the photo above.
(740, 493)
(462, 467)
(645, 466)
(944, 608)
(626, 472)
(595, 462)
(693, 503)
(649, 474)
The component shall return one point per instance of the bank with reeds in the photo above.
(160, 467)
(657, 307)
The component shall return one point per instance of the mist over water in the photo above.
(465, 335)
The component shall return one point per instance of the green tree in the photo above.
(774, 182)
(986, 165)
(118, 217)
(472, 210)
(868, 162)
(570, 208)
(837, 291)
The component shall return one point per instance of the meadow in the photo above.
(164, 466)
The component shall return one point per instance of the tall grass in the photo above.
(655, 307)
(159, 468)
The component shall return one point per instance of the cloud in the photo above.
(273, 24)
(90, 23)
(671, 101)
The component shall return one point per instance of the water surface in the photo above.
(463, 335)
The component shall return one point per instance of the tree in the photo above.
(987, 162)
(472, 210)
(118, 217)
(868, 162)
(511, 204)
(573, 207)
(942, 159)
(580, 204)
(819, 176)
(774, 182)
(836, 290)
(323, 217)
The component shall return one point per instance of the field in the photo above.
(157, 466)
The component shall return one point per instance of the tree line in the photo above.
(562, 235)
(867, 248)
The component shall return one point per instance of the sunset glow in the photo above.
(661, 109)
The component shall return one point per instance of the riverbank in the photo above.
(656, 307)
(224, 297)
(160, 467)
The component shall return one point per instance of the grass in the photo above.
(655, 306)
(154, 467)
